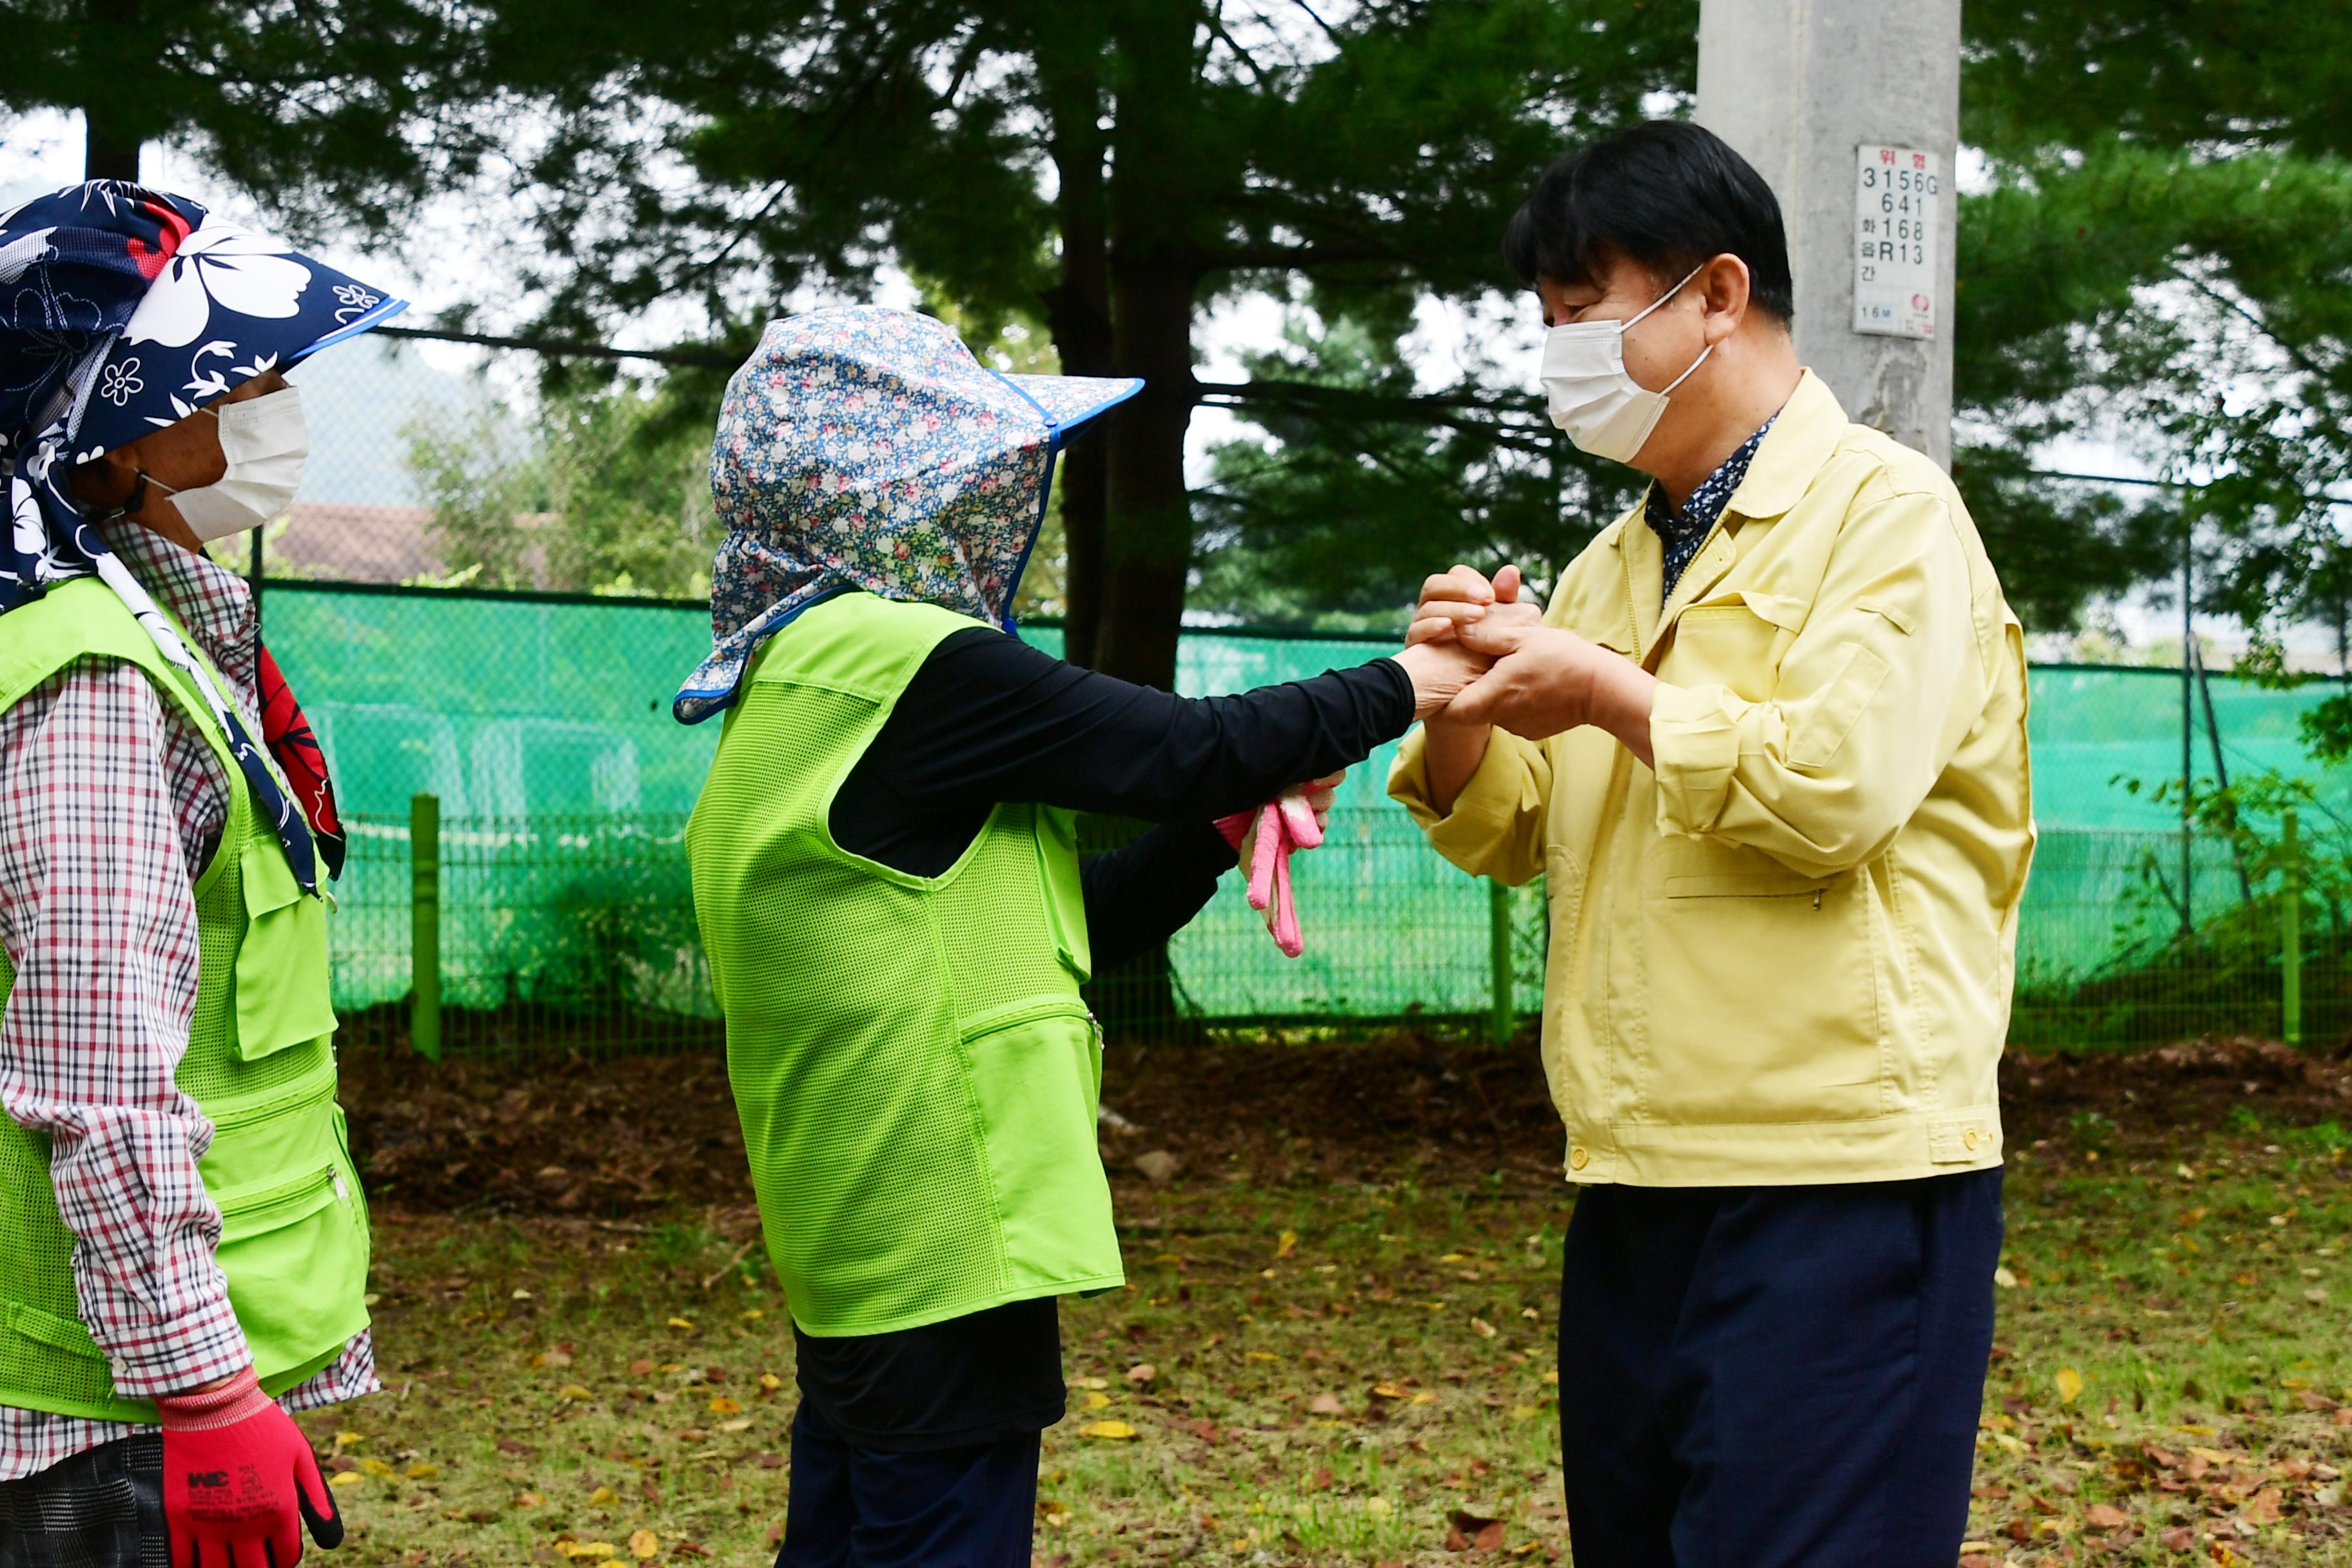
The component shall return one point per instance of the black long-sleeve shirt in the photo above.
(989, 718)
(986, 719)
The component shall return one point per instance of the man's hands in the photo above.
(1543, 679)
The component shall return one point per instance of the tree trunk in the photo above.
(1157, 204)
(1149, 539)
(111, 35)
(1077, 310)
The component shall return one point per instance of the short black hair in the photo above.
(1667, 193)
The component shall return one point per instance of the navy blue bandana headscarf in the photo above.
(123, 310)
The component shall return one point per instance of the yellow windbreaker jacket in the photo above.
(1785, 955)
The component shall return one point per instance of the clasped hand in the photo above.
(1537, 680)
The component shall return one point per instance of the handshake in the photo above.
(1479, 655)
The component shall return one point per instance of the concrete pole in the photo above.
(1799, 87)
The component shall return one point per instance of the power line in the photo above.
(1484, 415)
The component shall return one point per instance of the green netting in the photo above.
(544, 729)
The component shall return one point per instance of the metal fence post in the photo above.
(2291, 929)
(1498, 956)
(425, 940)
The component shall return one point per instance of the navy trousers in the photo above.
(1775, 1377)
(948, 1508)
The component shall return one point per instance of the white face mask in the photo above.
(1605, 410)
(264, 441)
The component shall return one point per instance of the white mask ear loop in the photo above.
(1654, 305)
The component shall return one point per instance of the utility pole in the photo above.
(1851, 111)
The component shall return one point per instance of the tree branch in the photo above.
(2294, 351)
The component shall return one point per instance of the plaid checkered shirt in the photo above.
(111, 805)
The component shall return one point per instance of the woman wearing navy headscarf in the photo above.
(187, 1250)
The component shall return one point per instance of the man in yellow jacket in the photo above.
(1767, 744)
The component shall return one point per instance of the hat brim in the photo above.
(1070, 401)
(369, 323)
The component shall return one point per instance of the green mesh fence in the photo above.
(543, 725)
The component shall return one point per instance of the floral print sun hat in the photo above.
(123, 310)
(867, 449)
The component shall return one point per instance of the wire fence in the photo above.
(578, 935)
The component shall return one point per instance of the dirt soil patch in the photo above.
(646, 1135)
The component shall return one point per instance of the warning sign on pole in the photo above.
(1895, 200)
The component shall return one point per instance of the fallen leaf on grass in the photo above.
(347, 1438)
(2105, 1516)
(2263, 1508)
(770, 1382)
(1158, 1166)
(1482, 1328)
(376, 1467)
(1141, 1372)
(2070, 1385)
(574, 1392)
(1204, 1430)
(683, 1325)
(641, 1367)
(519, 1451)
(1113, 1429)
(1390, 1391)
(528, 1499)
(422, 1470)
(1325, 1404)
(740, 1424)
(1466, 1531)
(345, 1478)
(576, 1550)
(602, 1497)
(643, 1544)
(1285, 1244)
(2004, 1279)
(722, 1406)
(1097, 1400)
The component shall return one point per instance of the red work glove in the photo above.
(235, 1469)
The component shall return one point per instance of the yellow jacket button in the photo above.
(1579, 1158)
(1968, 1140)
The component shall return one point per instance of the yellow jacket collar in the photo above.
(1802, 436)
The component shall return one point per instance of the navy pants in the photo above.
(948, 1508)
(1775, 1377)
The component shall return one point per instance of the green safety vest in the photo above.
(916, 1073)
(260, 1064)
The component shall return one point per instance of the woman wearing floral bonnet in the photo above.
(186, 1248)
(898, 921)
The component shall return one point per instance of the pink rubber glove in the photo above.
(1264, 839)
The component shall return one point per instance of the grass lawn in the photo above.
(1339, 1350)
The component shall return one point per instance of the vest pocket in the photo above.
(282, 992)
(294, 1236)
(1035, 1072)
(296, 1255)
